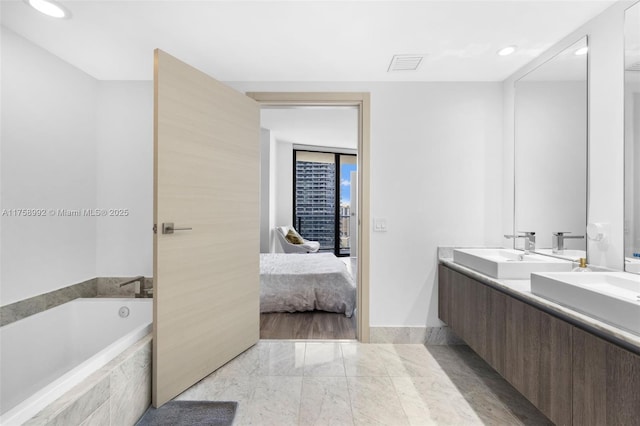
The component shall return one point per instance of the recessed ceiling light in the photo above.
(505, 51)
(581, 51)
(49, 8)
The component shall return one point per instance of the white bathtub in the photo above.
(45, 355)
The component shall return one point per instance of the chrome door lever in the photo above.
(169, 228)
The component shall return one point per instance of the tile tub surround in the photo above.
(117, 394)
(302, 383)
(95, 287)
(31, 306)
(110, 286)
(521, 289)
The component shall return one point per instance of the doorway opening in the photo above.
(326, 182)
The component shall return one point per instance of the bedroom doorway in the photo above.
(343, 236)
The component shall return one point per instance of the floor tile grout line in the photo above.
(346, 379)
(301, 385)
(395, 390)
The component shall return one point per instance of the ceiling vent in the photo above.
(405, 63)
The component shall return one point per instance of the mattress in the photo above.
(305, 282)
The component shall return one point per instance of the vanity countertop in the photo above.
(521, 289)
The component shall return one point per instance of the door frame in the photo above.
(361, 100)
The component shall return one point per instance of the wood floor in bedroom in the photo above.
(307, 325)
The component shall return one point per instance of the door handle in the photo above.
(169, 228)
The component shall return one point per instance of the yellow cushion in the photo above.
(293, 237)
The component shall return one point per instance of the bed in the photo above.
(305, 282)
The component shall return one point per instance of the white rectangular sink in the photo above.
(508, 263)
(613, 297)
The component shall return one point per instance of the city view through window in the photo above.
(322, 191)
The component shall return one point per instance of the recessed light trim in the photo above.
(49, 8)
(581, 51)
(506, 51)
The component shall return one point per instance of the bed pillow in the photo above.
(293, 237)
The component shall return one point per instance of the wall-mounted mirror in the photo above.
(632, 139)
(551, 154)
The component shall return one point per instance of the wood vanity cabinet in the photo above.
(538, 360)
(606, 382)
(570, 375)
(476, 313)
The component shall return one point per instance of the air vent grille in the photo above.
(405, 63)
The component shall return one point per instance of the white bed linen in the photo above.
(305, 282)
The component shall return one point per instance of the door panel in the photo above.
(206, 177)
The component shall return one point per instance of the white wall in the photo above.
(124, 173)
(284, 186)
(436, 174)
(606, 114)
(274, 245)
(71, 142)
(265, 191)
(276, 186)
(48, 159)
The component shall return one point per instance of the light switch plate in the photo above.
(379, 224)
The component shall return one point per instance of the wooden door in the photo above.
(206, 183)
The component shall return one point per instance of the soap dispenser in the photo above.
(582, 267)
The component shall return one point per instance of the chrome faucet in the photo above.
(529, 240)
(558, 240)
(141, 291)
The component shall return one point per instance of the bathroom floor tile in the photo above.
(375, 401)
(325, 401)
(363, 360)
(245, 364)
(334, 383)
(275, 401)
(282, 358)
(409, 360)
(323, 359)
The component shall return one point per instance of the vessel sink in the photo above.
(508, 263)
(613, 297)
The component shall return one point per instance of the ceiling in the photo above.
(303, 40)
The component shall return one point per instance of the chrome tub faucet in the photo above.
(141, 291)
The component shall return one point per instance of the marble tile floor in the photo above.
(348, 383)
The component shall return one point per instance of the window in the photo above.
(321, 204)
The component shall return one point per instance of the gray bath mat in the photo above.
(190, 413)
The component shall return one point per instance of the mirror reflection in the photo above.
(551, 155)
(632, 138)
